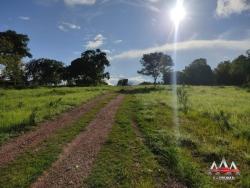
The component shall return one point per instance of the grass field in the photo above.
(20, 109)
(216, 125)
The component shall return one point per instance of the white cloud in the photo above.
(25, 18)
(227, 7)
(66, 2)
(148, 4)
(153, 1)
(187, 45)
(62, 28)
(97, 42)
(107, 51)
(79, 2)
(117, 41)
(71, 26)
(65, 26)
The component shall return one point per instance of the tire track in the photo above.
(75, 163)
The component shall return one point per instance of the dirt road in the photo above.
(75, 163)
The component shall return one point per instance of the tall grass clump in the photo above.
(183, 100)
(222, 119)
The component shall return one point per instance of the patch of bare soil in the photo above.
(75, 163)
(170, 182)
(16, 146)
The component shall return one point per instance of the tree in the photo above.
(13, 44)
(44, 72)
(14, 72)
(248, 53)
(223, 73)
(155, 64)
(240, 70)
(167, 77)
(199, 73)
(122, 82)
(89, 69)
(13, 47)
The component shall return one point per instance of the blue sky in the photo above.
(61, 29)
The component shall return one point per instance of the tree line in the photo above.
(235, 72)
(88, 69)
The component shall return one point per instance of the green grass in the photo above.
(204, 135)
(216, 126)
(124, 161)
(27, 167)
(19, 109)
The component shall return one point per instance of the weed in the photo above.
(246, 134)
(222, 119)
(32, 117)
(20, 104)
(182, 96)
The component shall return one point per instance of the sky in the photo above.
(217, 30)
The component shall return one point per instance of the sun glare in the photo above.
(178, 13)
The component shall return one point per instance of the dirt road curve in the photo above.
(75, 163)
(16, 146)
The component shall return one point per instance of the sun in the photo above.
(178, 13)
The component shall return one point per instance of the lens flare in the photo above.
(178, 13)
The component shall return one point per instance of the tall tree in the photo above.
(155, 64)
(199, 73)
(89, 69)
(223, 73)
(240, 70)
(44, 72)
(13, 47)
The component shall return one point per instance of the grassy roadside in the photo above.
(21, 110)
(124, 161)
(154, 119)
(203, 138)
(23, 171)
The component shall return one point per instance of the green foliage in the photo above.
(122, 82)
(223, 73)
(13, 48)
(14, 44)
(199, 73)
(222, 119)
(155, 64)
(89, 69)
(44, 72)
(32, 117)
(182, 96)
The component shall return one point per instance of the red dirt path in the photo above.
(75, 163)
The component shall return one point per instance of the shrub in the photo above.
(182, 96)
(32, 117)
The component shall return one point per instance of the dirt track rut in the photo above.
(75, 163)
